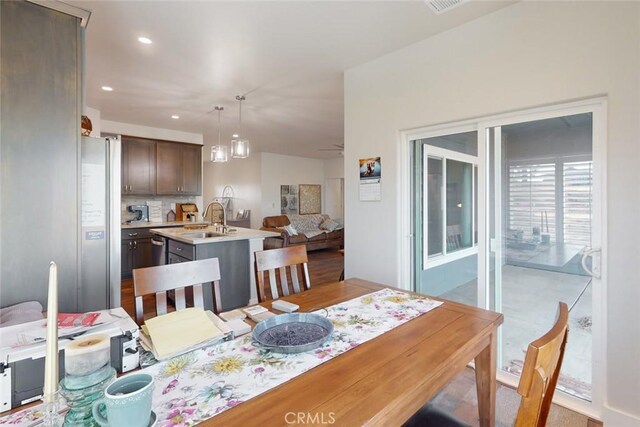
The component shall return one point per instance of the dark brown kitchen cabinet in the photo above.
(135, 250)
(142, 253)
(192, 170)
(175, 259)
(138, 166)
(126, 259)
(178, 169)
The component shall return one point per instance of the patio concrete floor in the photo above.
(529, 302)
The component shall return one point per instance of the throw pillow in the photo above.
(292, 231)
(329, 225)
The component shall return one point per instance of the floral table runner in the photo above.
(199, 385)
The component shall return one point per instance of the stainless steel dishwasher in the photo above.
(159, 250)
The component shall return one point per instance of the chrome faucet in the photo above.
(224, 214)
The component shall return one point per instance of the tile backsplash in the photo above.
(168, 203)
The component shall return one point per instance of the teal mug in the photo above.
(127, 402)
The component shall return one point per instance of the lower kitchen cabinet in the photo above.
(142, 253)
(235, 270)
(175, 259)
(126, 259)
(135, 251)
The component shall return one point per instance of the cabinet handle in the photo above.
(129, 188)
(179, 249)
(130, 245)
(135, 245)
(178, 189)
(182, 189)
(133, 234)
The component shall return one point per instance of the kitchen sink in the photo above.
(202, 234)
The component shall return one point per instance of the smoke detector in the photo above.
(442, 6)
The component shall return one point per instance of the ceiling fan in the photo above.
(339, 147)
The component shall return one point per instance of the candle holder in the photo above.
(51, 411)
(81, 391)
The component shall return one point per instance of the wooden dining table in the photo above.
(385, 380)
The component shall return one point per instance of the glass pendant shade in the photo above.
(239, 148)
(219, 153)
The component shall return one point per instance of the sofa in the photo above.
(316, 231)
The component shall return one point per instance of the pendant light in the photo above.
(219, 152)
(240, 146)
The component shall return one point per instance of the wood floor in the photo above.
(324, 266)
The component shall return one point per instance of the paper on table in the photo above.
(35, 332)
(174, 332)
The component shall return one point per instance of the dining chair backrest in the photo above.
(537, 382)
(540, 372)
(176, 277)
(281, 261)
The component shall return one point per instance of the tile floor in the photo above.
(459, 399)
(530, 300)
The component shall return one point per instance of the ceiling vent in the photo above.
(442, 6)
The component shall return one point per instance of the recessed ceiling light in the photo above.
(107, 88)
(144, 40)
(175, 117)
(235, 135)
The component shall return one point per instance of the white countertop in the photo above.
(181, 235)
(147, 224)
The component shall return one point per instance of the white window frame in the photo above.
(599, 108)
(445, 257)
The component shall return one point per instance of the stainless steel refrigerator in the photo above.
(99, 286)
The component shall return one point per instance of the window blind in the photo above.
(577, 181)
(532, 199)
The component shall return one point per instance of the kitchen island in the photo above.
(234, 251)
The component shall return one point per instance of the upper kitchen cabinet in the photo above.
(138, 166)
(179, 169)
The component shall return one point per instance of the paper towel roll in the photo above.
(87, 354)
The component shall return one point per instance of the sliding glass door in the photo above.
(540, 188)
(507, 215)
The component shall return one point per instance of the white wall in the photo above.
(526, 55)
(278, 170)
(243, 175)
(149, 132)
(256, 181)
(544, 144)
(333, 188)
(334, 168)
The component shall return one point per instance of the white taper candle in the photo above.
(51, 357)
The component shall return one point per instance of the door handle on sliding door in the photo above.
(594, 271)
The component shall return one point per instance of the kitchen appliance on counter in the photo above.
(141, 213)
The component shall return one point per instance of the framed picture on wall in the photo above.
(370, 179)
(289, 199)
(310, 198)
